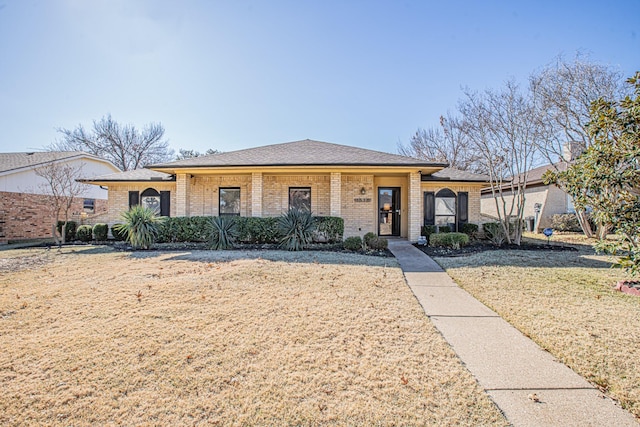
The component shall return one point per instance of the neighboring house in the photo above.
(541, 201)
(371, 190)
(25, 203)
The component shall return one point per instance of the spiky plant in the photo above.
(297, 227)
(223, 232)
(141, 227)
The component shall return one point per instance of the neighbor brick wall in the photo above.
(30, 216)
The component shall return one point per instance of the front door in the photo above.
(389, 211)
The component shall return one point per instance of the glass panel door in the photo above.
(389, 211)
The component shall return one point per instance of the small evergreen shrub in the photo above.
(378, 244)
(353, 243)
(70, 231)
(84, 233)
(427, 230)
(296, 227)
(222, 232)
(117, 234)
(444, 229)
(469, 229)
(368, 238)
(330, 226)
(449, 240)
(100, 232)
(565, 222)
(184, 229)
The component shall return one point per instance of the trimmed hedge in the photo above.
(258, 230)
(70, 231)
(353, 243)
(330, 226)
(84, 233)
(449, 240)
(184, 229)
(117, 233)
(100, 232)
(379, 243)
(444, 229)
(469, 229)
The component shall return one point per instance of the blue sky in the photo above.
(236, 74)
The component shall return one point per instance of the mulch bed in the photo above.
(481, 246)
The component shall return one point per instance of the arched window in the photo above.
(446, 208)
(150, 199)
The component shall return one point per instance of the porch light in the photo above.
(363, 191)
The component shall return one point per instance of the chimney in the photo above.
(571, 151)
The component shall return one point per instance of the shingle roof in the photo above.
(535, 175)
(299, 153)
(14, 161)
(453, 174)
(133, 175)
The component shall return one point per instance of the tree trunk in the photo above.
(584, 223)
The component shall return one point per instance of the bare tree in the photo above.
(64, 189)
(447, 143)
(563, 92)
(500, 127)
(124, 145)
(188, 154)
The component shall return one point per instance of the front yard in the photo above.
(564, 301)
(91, 336)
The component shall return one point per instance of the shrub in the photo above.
(449, 240)
(258, 230)
(494, 232)
(330, 226)
(444, 229)
(70, 230)
(141, 226)
(222, 232)
(565, 222)
(469, 229)
(297, 229)
(368, 238)
(353, 243)
(427, 230)
(84, 233)
(100, 232)
(184, 229)
(378, 243)
(117, 233)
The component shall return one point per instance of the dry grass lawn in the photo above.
(95, 337)
(565, 302)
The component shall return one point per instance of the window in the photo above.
(89, 205)
(159, 202)
(446, 208)
(229, 202)
(150, 199)
(300, 198)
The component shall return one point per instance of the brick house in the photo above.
(25, 203)
(387, 194)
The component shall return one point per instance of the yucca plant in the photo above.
(141, 227)
(223, 232)
(297, 227)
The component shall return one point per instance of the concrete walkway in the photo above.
(509, 366)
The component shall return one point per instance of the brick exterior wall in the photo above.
(205, 190)
(26, 216)
(275, 193)
(474, 196)
(119, 197)
(358, 210)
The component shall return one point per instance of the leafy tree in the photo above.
(607, 176)
(563, 93)
(125, 146)
(188, 154)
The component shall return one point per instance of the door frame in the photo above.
(395, 209)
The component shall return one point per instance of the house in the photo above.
(25, 201)
(388, 194)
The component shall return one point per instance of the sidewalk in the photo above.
(506, 364)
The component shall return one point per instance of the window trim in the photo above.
(220, 190)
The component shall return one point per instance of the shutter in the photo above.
(134, 198)
(429, 207)
(463, 209)
(165, 203)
